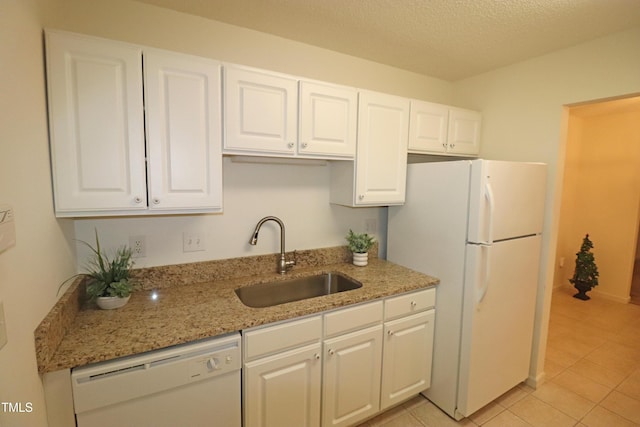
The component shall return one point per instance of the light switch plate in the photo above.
(371, 225)
(192, 242)
(7, 228)
(3, 327)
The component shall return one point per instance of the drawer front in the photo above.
(281, 337)
(409, 303)
(348, 319)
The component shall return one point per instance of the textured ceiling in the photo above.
(447, 39)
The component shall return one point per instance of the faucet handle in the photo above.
(289, 264)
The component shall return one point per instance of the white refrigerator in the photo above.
(476, 225)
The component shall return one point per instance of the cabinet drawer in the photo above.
(348, 319)
(281, 337)
(409, 303)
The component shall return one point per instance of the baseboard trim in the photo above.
(537, 381)
(604, 295)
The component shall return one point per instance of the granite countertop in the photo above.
(76, 334)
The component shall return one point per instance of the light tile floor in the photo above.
(592, 375)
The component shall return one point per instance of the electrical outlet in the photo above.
(3, 327)
(138, 245)
(192, 242)
(370, 225)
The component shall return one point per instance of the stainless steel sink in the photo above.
(282, 291)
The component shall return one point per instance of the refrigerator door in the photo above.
(428, 234)
(506, 200)
(497, 321)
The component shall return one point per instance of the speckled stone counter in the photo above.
(200, 306)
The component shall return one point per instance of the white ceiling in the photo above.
(447, 39)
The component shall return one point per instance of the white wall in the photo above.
(44, 255)
(42, 258)
(524, 119)
(148, 25)
(522, 108)
(297, 194)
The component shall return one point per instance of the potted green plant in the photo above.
(109, 284)
(359, 244)
(585, 276)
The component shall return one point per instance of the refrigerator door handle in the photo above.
(487, 273)
(488, 194)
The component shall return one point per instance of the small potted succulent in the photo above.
(359, 244)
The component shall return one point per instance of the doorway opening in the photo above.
(601, 194)
(635, 281)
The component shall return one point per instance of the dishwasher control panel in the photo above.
(215, 363)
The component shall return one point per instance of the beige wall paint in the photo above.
(44, 255)
(299, 195)
(522, 120)
(600, 197)
(153, 26)
(525, 118)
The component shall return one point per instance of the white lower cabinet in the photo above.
(282, 373)
(341, 367)
(407, 357)
(284, 390)
(351, 379)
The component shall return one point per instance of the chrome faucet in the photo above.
(283, 264)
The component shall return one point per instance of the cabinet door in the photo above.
(96, 124)
(464, 131)
(328, 120)
(352, 369)
(260, 112)
(408, 344)
(428, 127)
(381, 163)
(283, 390)
(184, 132)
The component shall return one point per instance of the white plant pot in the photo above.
(109, 303)
(360, 259)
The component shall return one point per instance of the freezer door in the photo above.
(506, 200)
(497, 321)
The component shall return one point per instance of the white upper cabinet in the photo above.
(260, 112)
(464, 131)
(183, 131)
(381, 168)
(440, 129)
(264, 112)
(378, 176)
(328, 120)
(428, 127)
(96, 124)
(97, 129)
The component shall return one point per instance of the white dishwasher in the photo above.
(195, 384)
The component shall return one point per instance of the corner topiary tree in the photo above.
(585, 275)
